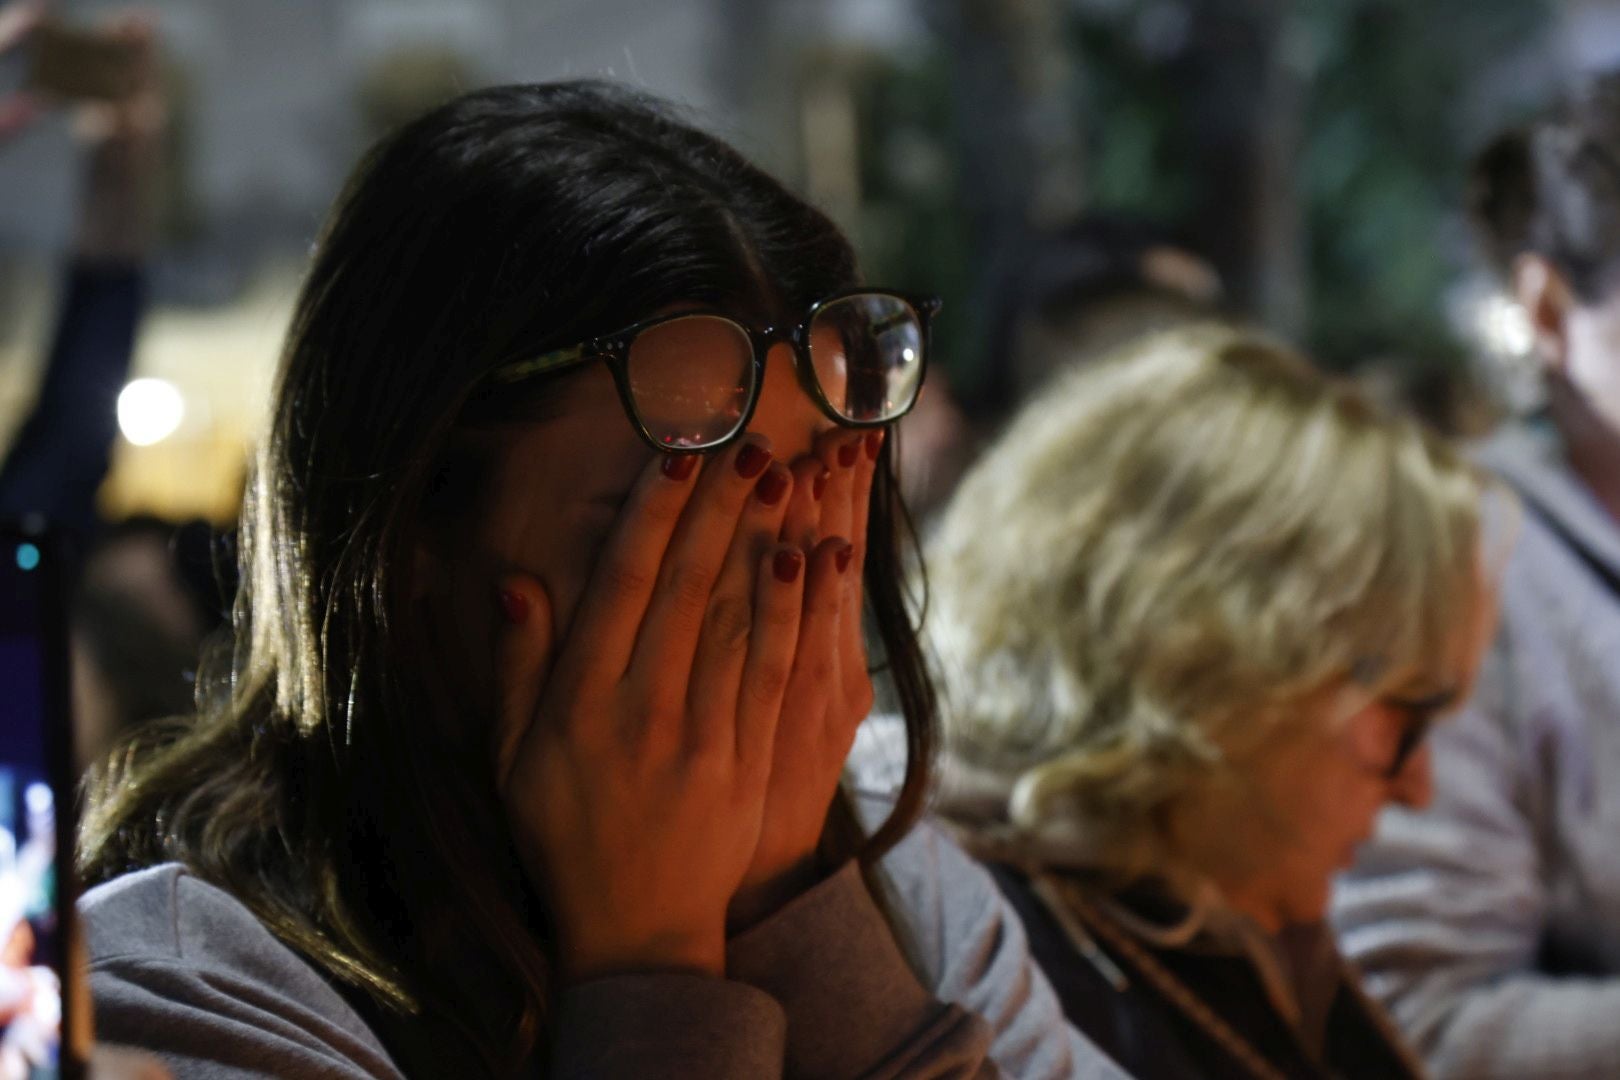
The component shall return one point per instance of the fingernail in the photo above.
(848, 453)
(819, 484)
(846, 553)
(678, 466)
(752, 460)
(515, 606)
(874, 443)
(786, 565)
(772, 486)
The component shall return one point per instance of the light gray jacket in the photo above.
(819, 989)
(1489, 925)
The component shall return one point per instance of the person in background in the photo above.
(138, 618)
(1223, 600)
(1056, 297)
(551, 646)
(1490, 923)
(60, 454)
(1081, 292)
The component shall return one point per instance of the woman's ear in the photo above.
(525, 649)
(1544, 292)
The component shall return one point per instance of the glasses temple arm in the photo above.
(555, 360)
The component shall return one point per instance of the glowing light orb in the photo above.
(149, 411)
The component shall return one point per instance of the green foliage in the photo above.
(1138, 153)
(1385, 159)
(912, 231)
(1381, 164)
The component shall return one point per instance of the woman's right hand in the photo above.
(633, 757)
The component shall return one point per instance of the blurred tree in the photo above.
(1315, 150)
(965, 147)
(1385, 160)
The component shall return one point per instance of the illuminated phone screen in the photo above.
(33, 731)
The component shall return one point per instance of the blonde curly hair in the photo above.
(1166, 564)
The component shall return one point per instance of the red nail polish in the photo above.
(819, 484)
(772, 486)
(515, 606)
(874, 443)
(678, 466)
(752, 460)
(848, 453)
(846, 553)
(786, 566)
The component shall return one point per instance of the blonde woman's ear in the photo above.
(1544, 293)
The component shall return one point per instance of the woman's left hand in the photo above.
(830, 690)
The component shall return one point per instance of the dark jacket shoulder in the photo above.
(1111, 997)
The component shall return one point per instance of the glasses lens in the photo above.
(1411, 742)
(867, 350)
(690, 380)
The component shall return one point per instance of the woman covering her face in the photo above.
(1491, 923)
(1222, 601)
(550, 650)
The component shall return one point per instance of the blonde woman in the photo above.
(1221, 602)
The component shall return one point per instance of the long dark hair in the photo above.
(315, 786)
(1552, 188)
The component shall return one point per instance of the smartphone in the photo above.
(75, 63)
(36, 804)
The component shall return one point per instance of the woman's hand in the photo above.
(830, 691)
(633, 758)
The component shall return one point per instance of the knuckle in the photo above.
(729, 621)
(621, 581)
(780, 617)
(820, 670)
(659, 717)
(709, 758)
(661, 513)
(688, 587)
(769, 683)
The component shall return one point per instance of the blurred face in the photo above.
(1579, 345)
(1274, 840)
(1592, 356)
(556, 491)
(1324, 793)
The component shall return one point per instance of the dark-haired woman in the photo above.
(549, 653)
(1491, 923)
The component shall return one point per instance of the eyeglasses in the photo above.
(1420, 715)
(690, 381)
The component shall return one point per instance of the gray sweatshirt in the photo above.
(820, 989)
(1490, 924)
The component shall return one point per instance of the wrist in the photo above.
(583, 957)
(759, 898)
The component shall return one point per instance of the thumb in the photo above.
(523, 655)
